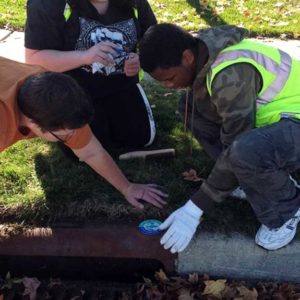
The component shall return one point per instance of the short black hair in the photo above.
(162, 46)
(54, 101)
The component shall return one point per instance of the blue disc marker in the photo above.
(150, 227)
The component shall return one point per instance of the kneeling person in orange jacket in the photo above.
(36, 103)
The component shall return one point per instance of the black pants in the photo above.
(123, 120)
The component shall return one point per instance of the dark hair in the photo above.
(162, 46)
(54, 101)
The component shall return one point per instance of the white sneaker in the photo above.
(273, 239)
(238, 193)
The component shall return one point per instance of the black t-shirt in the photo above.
(46, 28)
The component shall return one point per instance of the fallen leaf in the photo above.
(247, 294)
(184, 294)
(161, 276)
(215, 11)
(191, 175)
(31, 285)
(193, 278)
(246, 13)
(214, 287)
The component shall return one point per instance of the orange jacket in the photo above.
(12, 75)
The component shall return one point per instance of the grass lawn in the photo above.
(38, 185)
(261, 17)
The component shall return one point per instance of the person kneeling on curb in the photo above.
(35, 103)
(246, 102)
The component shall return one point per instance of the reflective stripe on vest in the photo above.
(136, 13)
(67, 12)
(281, 71)
(280, 92)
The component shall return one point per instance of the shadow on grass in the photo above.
(74, 194)
(207, 13)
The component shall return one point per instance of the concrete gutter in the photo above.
(218, 255)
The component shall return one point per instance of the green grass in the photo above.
(260, 17)
(12, 14)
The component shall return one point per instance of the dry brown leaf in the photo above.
(246, 13)
(161, 276)
(191, 175)
(215, 11)
(31, 285)
(230, 292)
(214, 287)
(247, 294)
(147, 281)
(184, 294)
(193, 278)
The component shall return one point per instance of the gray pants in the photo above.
(262, 160)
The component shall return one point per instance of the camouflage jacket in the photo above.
(231, 105)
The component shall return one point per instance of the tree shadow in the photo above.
(71, 190)
(207, 13)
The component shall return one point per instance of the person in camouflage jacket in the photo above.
(225, 122)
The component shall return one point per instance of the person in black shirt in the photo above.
(95, 41)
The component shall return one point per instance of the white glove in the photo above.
(182, 225)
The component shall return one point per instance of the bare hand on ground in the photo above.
(148, 192)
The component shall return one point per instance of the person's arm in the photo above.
(146, 17)
(102, 163)
(234, 93)
(45, 39)
(61, 61)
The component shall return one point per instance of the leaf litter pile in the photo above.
(161, 287)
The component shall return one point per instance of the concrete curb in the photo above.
(237, 256)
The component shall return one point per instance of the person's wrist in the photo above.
(125, 190)
(192, 209)
(84, 57)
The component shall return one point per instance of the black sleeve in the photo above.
(45, 24)
(146, 16)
